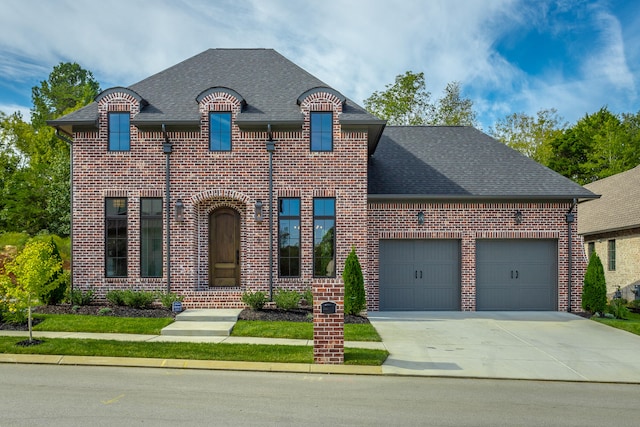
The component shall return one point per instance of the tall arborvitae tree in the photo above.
(354, 296)
(594, 291)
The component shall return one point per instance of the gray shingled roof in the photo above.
(617, 209)
(269, 83)
(459, 162)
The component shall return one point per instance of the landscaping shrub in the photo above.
(138, 299)
(60, 280)
(255, 300)
(354, 296)
(78, 297)
(308, 297)
(167, 299)
(618, 308)
(594, 291)
(287, 300)
(115, 297)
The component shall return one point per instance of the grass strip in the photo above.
(192, 351)
(101, 324)
(632, 324)
(299, 330)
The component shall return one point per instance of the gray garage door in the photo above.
(419, 275)
(516, 275)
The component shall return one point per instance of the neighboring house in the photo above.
(199, 178)
(610, 227)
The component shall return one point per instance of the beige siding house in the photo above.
(610, 226)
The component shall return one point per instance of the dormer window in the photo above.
(119, 132)
(220, 131)
(321, 131)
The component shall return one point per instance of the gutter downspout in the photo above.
(271, 147)
(167, 148)
(70, 142)
(570, 217)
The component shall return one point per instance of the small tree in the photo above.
(594, 291)
(354, 297)
(29, 275)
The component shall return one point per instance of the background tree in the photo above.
(594, 291)
(354, 296)
(405, 102)
(34, 271)
(454, 110)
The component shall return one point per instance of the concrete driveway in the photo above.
(516, 345)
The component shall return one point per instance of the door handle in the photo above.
(516, 274)
(416, 274)
(512, 274)
(421, 274)
(237, 257)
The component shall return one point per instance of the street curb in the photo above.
(43, 359)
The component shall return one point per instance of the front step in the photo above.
(203, 323)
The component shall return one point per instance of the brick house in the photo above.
(610, 227)
(199, 178)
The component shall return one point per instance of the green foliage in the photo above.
(115, 297)
(255, 300)
(56, 294)
(454, 110)
(594, 291)
(287, 300)
(138, 299)
(307, 296)
(167, 299)
(33, 272)
(354, 296)
(104, 311)
(618, 308)
(15, 239)
(79, 297)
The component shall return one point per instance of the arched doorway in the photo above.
(224, 247)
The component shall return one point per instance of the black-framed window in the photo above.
(612, 254)
(289, 237)
(321, 131)
(119, 132)
(115, 225)
(220, 131)
(324, 237)
(591, 248)
(151, 237)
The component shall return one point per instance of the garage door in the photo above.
(419, 275)
(516, 275)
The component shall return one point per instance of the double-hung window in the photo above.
(151, 237)
(321, 131)
(115, 237)
(324, 237)
(220, 131)
(289, 237)
(119, 132)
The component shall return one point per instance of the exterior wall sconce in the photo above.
(179, 210)
(420, 218)
(258, 211)
(518, 217)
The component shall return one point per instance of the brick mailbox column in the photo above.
(328, 328)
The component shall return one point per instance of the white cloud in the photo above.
(9, 109)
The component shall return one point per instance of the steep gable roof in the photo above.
(268, 82)
(449, 162)
(617, 209)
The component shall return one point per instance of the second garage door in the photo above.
(518, 274)
(419, 275)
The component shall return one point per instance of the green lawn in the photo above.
(632, 324)
(193, 351)
(299, 330)
(103, 324)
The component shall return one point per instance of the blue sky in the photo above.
(509, 55)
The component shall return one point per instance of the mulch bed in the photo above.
(270, 314)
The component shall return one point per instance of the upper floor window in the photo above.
(220, 131)
(324, 237)
(116, 241)
(321, 131)
(612, 255)
(289, 237)
(119, 132)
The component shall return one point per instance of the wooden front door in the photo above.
(224, 247)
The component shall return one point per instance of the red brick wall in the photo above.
(468, 222)
(328, 329)
(205, 180)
